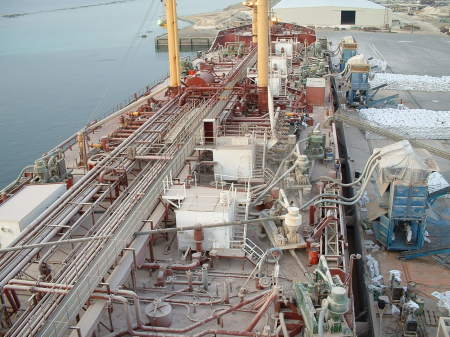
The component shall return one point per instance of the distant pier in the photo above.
(191, 39)
(186, 41)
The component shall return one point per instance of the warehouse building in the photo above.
(333, 13)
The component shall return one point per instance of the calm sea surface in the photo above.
(64, 63)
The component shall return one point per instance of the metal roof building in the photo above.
(362, 13)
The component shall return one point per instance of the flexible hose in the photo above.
(352, 200)
(345, 201)
(363, 186)
(322, 317)
(275, 180)
(274, 183)
(374, 156)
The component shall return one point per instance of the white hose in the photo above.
(322, 317)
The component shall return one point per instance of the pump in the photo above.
(323, 303)
(315, 148)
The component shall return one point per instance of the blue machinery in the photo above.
(359, 93)
(358, 78)
(404, 227)
(349, 48)
(355, 71)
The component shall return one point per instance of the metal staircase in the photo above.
(241, 213)
(239, 232)
(260, 170)
(252, 251)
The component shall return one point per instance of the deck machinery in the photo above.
(323, 303)
(348, 48)
(355, 73)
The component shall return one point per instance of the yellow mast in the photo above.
(263, 53)
(253, 6)
(172, 45)
(254, 23)
(177, 48)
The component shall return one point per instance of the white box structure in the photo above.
(26, 205)
(205, 205)
(234, 157)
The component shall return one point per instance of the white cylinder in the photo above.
(292, 222)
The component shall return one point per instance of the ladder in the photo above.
(239, 233)
(252, 251)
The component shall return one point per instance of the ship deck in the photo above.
(139, 278)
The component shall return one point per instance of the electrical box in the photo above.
(315, 91)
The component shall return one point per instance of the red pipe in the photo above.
(178, 332)
(11, 300)
(261, 311)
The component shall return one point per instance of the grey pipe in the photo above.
(212, 225)
(55, 243)
(268, 188)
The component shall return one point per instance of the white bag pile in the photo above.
(436, 182)
(411, 82)
(414, 123)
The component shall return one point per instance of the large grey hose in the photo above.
(354, 199)
(272, 184)
(346, 201)
(374, 156)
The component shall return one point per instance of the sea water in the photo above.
(64, 63)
